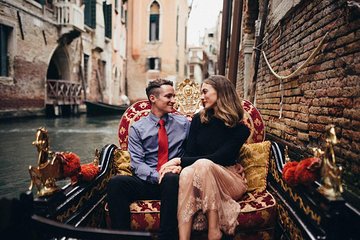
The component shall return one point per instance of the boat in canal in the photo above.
(100, 108)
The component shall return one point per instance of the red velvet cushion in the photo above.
(258, 211)
(132, 114)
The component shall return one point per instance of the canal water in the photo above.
(81, 135)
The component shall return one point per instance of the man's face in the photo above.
(164, 102)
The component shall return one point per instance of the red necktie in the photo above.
(163, 153)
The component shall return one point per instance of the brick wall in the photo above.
(326, 91)
(30, 54)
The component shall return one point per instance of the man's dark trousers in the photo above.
(123, 190)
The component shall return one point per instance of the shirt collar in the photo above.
(155, 120)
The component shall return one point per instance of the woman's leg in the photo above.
(185, 230)
(214, 232)
(186, 203)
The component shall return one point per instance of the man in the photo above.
(146, 148)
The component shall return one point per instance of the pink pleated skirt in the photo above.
(208, 186)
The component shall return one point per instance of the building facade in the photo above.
(59, 53)
(156, 45)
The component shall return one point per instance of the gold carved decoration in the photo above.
(100, 186)
(187, 97)
(330, 173)
(83, 199)
(307, 210)
(288, 223)
(286, 154)
(49, 167)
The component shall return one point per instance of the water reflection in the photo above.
(81, 135)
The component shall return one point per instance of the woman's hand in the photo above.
(172, 169)
(172, 162)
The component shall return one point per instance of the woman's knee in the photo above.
(203, 165)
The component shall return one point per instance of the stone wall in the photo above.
(324, 92)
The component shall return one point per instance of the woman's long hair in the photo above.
(228, 107)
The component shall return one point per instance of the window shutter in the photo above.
(107, 19)
(4, 61)
(147, 64)
(90, 13)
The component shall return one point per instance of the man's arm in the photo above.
(137, 154)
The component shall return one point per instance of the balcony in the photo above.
(63, 92)
(69, 16)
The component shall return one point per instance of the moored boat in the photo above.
(101, 108)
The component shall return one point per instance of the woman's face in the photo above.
(208, 96)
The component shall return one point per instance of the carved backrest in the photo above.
(188, 103)
(187, 98)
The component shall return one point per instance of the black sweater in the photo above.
(214, 141)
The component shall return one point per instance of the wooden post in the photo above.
(235, 41)
(224, 33)
(258, 41)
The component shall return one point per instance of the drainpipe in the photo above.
(235, 41)
(224, 33)
(258, 41)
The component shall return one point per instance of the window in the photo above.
(116, 6)
(154, 21)
(90, 13)
(177, 26)
(154, 63)
(86, 67)
(103, 74)
(5, 32)
(107, 19)
(192, 71)
(48, 3)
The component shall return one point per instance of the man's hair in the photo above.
(153, 86)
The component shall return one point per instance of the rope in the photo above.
(312, 55)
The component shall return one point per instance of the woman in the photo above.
(210, 179)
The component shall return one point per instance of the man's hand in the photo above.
(172, 169)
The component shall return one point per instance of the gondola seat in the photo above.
(258, 207)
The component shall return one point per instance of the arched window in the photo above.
(154, 21)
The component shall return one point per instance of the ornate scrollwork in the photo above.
(288, 223)
(187, 97)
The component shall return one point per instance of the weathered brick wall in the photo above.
(240, 75)
(31, 54)
(326, 91)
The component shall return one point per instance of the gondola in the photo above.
(78, 209)
(101, 108)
